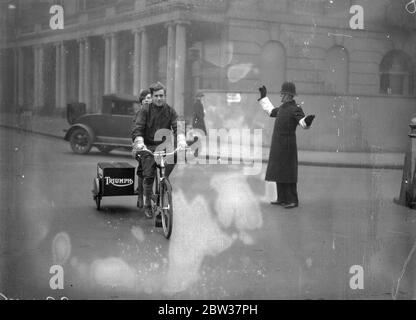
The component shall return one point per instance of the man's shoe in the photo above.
(148, 212)
(278, 203)
(290, 205)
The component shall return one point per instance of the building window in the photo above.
(91, 4)
(336, 76)
(396, 76)
(81, 5)
(273, 65)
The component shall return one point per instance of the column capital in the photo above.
(83, 39)
(181, 22)
(170, 24)
(142, 29)
(137, 30)
(108, 35)
(58, 43)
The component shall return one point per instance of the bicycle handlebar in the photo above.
(163, 153)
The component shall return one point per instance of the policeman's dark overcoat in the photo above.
(198, 121)
(283, 157)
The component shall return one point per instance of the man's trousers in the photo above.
(287, 192)
(146, 173)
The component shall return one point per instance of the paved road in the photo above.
(227, 243)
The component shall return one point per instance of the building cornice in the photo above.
(115, 23)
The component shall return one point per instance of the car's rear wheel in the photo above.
(80, 141)
(105, 149)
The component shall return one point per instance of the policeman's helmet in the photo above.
(288, 88)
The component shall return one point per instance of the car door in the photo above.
(121, 121)
(103, 122)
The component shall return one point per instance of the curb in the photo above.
(229, 159)
(352, 165)
(50, 135)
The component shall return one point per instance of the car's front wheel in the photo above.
(80, 141)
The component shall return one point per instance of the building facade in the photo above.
(360, 83)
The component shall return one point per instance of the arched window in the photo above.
(273, 65)
(396, 73)
(336, 77)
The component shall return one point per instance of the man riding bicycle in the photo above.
(151, 118)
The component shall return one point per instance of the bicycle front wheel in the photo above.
(167, 208)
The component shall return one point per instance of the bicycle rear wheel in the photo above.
(167, 208)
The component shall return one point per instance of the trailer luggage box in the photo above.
(115, 178)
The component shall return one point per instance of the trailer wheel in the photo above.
(98, 202)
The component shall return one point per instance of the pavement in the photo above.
(55, 126)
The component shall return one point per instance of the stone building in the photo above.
(360, 83)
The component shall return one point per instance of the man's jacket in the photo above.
(150, 119)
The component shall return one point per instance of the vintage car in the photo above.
(107, 130)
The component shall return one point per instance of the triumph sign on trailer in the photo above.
(117, 178)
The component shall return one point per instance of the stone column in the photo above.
(170, 72)
(180, 60)
(87, 73)
(57, 75)
(114, 63)
(412, 189)
(81, 72)
(136, 62)
(107, 57)
(407, 196)
(38, 81)
(63, 76)
(3, 53)
(20, 75)
(35, 76)
(144, 60)
(223, 57)
(41, 78)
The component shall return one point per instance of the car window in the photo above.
(122, 108)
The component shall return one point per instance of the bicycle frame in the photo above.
(160, 176)
(162, 206)
(160, 169)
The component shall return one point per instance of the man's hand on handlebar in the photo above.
(138, 145)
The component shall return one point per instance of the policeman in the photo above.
(282, 167)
